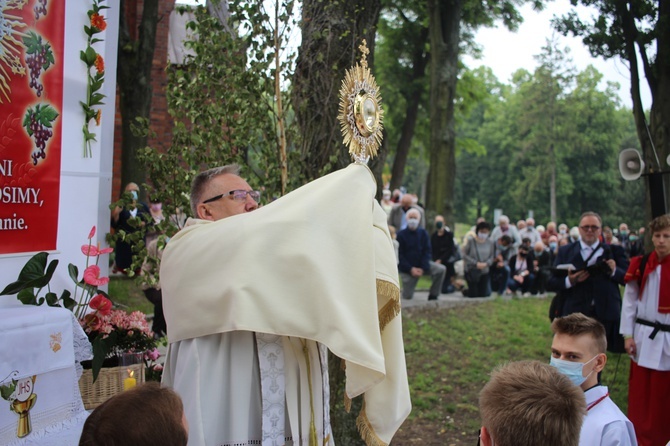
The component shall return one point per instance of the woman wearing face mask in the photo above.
(478, 256)
(126, 219)
(522, 268)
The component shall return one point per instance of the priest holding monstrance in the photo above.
(249, 328)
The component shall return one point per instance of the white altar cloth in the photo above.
(39, 352)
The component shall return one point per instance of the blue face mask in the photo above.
(134, 194)
(553, 245)
(573, 370)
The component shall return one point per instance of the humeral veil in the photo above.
(316, 264)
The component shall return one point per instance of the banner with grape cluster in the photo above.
(31, 98)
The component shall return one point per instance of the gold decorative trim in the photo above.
(361, 113)
(391, 294)
(367, 432)
(347, 403)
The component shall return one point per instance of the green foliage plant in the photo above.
(94, 81)
(224, 106)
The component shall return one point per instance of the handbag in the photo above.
(473, 274)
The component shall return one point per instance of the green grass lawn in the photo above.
(450, 353)
(126, 294)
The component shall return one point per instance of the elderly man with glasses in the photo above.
(217, 194)
(588, 274)
(254, 300)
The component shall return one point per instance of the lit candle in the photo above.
(129, 382)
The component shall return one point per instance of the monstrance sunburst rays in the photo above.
(360, 110)
(10, 43)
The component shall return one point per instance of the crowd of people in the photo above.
(507, 259)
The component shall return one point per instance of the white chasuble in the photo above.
(316, 266)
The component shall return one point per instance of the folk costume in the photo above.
(248, 326)
(646, 316)
(605, 424)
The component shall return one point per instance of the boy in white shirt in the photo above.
(578, 351)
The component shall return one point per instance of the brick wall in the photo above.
(160, 120)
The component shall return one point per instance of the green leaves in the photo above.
(88, 56)
(91, 58)
(34, 274)
(7, 390)
(43, 114)
(101, 346)
(550, 122)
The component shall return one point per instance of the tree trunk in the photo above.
(331, 34)
(413, 97)
(644, 133)
(444, 39)
(552, 189)
(660, 109)
(281, 130)
(134, 82)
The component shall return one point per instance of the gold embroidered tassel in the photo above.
(367, 432)
(389, 293)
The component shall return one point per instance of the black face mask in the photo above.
(522, 254)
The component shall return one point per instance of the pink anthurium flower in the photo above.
(92, 276)
(92, 233)
(101, 304)
(90, 250)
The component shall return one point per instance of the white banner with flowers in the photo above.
(55, 199)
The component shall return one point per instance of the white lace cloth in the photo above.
(66, 433)
(83, 350)
(47, 344)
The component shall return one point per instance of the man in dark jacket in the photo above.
(521, 270)
(445, 251)
(594, 292)
(415, 254)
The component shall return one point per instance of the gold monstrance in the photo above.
(360, 110)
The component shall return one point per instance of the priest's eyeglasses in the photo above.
(237, 195)
(590, 228)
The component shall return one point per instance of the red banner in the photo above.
(31, 98)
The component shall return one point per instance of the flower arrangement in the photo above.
(95, 77)
(153, 370)
(111, 332)
(124, 332)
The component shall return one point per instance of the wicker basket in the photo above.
(108, 384)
